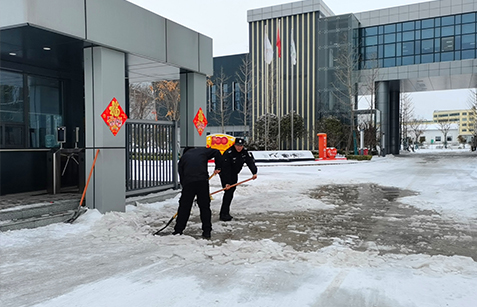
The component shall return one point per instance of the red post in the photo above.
(322, 145)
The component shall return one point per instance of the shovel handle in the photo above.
(89, 177)
(233, 185)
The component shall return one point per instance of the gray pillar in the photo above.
(382, 104)
(393, 137)
(193, 97)
(104, 71)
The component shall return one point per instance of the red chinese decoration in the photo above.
(200, 121)
(114, 116)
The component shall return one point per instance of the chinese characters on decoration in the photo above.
(114, 116)
(200, 121)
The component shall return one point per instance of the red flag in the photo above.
(279, 43)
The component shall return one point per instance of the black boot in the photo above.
(226, 217)
(206, 235)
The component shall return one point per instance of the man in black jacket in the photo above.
(194, 179)
(234, 158)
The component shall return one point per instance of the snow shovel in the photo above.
(175, 215)
(81, 209)
(233, 185)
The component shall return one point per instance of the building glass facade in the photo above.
(439, 39)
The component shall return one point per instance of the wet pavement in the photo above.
(366, 217)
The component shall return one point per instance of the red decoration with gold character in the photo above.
(200, 121)
(114, 116)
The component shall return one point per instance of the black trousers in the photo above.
(228, 196)
(201, 189)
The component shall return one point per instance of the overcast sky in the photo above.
(225, 21)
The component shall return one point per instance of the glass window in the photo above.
(447, 21)
(11, 97)
(437, 45)
(427, 58)
(417, 47)
(468, 54)
(447, 31)
(427, 46)
(407, 60)
(427, 23)
(390, 28)
(407, 48)
(371, 52)
(381, 39)
(417, 34)
(437, 21)
(390, 62)
(408, 26)
(371, 40)
(468, 17)
(447, 56)
(214, 95)
(427, 33)
(399, 27)
(12, 107)
(437, 32)
(390, 38)
(408, 36)
(399, 49)
(457, 42)
(399, 36)
(456, 55)
(438, 138)
(447, 43)
(468, 28)
(238, 94)
(45, 111)
(389, 50)
(417, 59)
(371, 31)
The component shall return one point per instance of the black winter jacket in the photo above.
(233, 162)
(193, 164)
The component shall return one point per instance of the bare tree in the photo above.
(141, 101)
(368, 80)
(245, 83)
(405, 115)
(168, 97)
(220, 110)
(444, 125)
(417, 127)
(472, 125)
(346, 86)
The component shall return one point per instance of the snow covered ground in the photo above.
(394, 231)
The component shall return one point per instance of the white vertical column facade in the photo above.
(193, 97)
(104, 71)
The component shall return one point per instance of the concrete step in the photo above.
(36, 221)
(37, 215)
(58, 211)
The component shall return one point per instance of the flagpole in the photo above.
(266, 96)
(292, 86)
(279, 84)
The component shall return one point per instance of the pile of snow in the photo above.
(113, 260)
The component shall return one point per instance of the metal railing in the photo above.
(151, 156)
